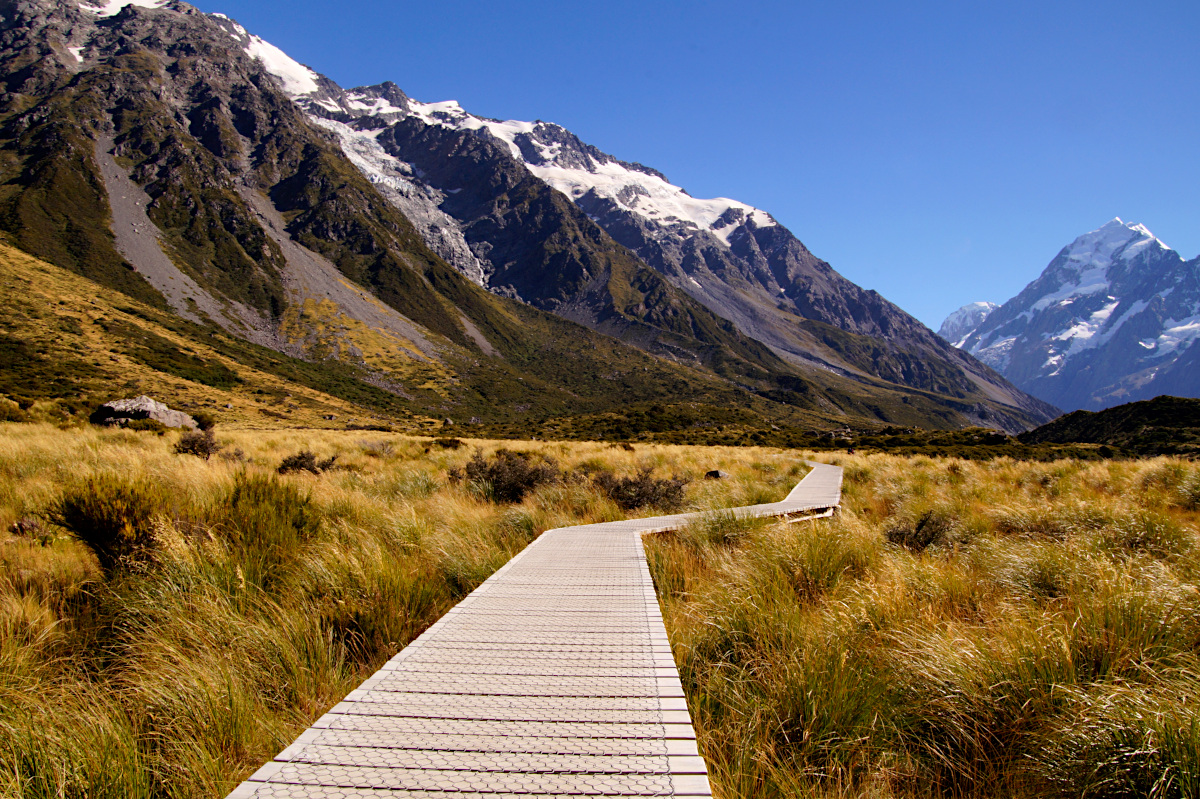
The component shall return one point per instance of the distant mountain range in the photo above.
(1112, 319)
(178, 158)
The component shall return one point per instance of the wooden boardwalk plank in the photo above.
(553, 678)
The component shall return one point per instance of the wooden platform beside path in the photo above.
(553, 678)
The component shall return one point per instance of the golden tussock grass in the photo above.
(978, 629)
(960, 629)
(236, 605)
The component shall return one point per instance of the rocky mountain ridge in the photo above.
(175, 156)
(1112, 319)
(734, 259)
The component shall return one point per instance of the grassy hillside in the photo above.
(1161, 426)
(70, 344)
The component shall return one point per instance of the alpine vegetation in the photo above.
(972, 629)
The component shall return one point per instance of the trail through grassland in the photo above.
(962, 629)
(248, 603)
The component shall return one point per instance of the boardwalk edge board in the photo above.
(554, 677)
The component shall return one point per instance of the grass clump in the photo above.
(720, 528)
(1123, 745)
(113, 515)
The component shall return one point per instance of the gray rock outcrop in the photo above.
(119, 412)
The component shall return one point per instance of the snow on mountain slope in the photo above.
(1104, 323)
(419, 201)
(110, 8)
(958, 325)
(546, 149)
(732, 258)
(297, 79)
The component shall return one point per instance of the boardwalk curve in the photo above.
(553, 678)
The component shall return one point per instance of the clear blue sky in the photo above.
(937, 152)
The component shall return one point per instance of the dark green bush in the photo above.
(509, 475)
(201, 443)
(112, 515)
(931, 528)
(11, 412)
(204, 420)
(146, 425)
(641, 490)
(306, 461)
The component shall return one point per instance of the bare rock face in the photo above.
(118, 412)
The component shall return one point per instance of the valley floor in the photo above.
(968, 629)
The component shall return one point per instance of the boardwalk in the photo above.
(552, 678)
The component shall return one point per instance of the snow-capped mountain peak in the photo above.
(1104, 322)
(1083, 268)
(559, 158)
(1113, 241)
(960, 324)
(552, 153)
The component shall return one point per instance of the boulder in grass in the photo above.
(121, 412)
(716, 474)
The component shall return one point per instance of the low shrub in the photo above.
(113, 516)
(11, 412)
(641, 490)
(201, 443)
(305, 461)
(235, 455)
(447, 443)
(204, 420)
(917, 533)
(32, 529)
(146, 425)
(508, 476)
